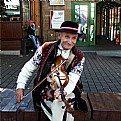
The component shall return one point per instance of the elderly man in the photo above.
(60, 64)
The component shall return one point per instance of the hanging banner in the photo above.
(56, 18)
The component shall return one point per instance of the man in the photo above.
(31, 33)
(56, 106)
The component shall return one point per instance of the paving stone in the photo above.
(101, 73)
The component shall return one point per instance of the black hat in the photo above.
(69, 26)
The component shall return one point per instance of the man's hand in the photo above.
(19, 95)
(57, 94)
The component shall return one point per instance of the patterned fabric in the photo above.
(79, 67)
(37, 57)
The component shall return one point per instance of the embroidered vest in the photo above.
(49, 52)
(48, 56)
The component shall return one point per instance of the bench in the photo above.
(24, 111)
(101, 107)
(105, 106)
(12, 111)
(27, 46)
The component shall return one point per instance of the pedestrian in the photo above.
(31, 33)
(60, 66)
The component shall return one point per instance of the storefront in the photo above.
(12, 10)
(12, 32)
(95, 18)
(108, 20)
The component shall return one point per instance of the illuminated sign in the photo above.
(12, 4)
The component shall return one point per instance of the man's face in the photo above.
(68, 40)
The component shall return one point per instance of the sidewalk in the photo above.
(102, 72)
(106, 49)
(10, 68)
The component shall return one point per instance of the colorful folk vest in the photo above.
(49, 52)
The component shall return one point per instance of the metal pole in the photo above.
(21, 10)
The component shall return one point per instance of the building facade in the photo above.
(97, 19)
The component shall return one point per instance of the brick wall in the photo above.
(49, 34)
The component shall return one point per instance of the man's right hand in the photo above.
(19, 95)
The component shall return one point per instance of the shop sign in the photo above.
(12, 4)
(56, 18)
(56, 2)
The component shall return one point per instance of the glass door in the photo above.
(84, 14)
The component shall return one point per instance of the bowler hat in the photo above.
(69, 26)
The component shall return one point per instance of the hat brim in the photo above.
(67, 31)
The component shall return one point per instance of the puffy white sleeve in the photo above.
(74, 76)
(28, 69)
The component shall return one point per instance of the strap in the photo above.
(46, 107)
(65, 116)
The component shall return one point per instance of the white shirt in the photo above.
(61, 51)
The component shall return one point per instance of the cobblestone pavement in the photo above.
(10, 68)
(101, 73)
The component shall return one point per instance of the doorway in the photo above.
(108, 22)
(84, 14)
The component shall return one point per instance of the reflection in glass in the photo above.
(92, 23)
(81, 13)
